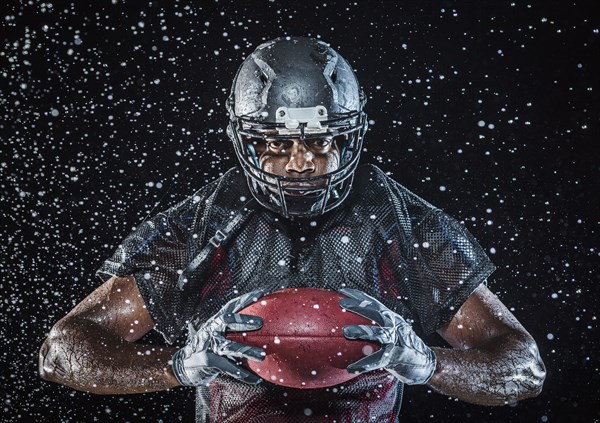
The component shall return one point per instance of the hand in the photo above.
(205, 354)
(402, 352)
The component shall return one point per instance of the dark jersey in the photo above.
(383, 240)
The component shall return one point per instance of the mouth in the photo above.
(299, 189)
(294, 185)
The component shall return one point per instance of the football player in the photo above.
(298, 212)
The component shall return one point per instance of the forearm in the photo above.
(86, 356)
(508, 370)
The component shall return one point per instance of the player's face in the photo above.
(296, 158)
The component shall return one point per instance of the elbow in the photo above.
(536, 373)
(57, 359)
(48, 366)
(528, 378)
(45, 365)
(43, 353)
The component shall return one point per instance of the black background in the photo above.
(487, 109)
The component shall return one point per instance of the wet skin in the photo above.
(295, 158)
(493, 359)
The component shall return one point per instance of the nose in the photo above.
(301, 159)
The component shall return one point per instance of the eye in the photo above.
(279, 146)
(318, 143)
(276, 144)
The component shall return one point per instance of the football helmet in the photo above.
(302, 89)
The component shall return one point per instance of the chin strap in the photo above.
(221, 237)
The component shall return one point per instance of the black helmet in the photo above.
(297, 87)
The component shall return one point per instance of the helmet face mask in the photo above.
(297, 90)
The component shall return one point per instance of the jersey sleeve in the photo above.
(155, 254)
(448, 265)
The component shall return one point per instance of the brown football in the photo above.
(303, 338)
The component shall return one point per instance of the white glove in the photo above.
(205, 354)
(402, 352)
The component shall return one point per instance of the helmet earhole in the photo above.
(263, 78)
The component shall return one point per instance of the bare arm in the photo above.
(494, 360)
(92, 349)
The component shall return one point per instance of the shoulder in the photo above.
(232, 180)
(187, 217)
(373, 186)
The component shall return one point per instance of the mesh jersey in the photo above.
(383, 240)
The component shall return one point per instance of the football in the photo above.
(303, 338)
